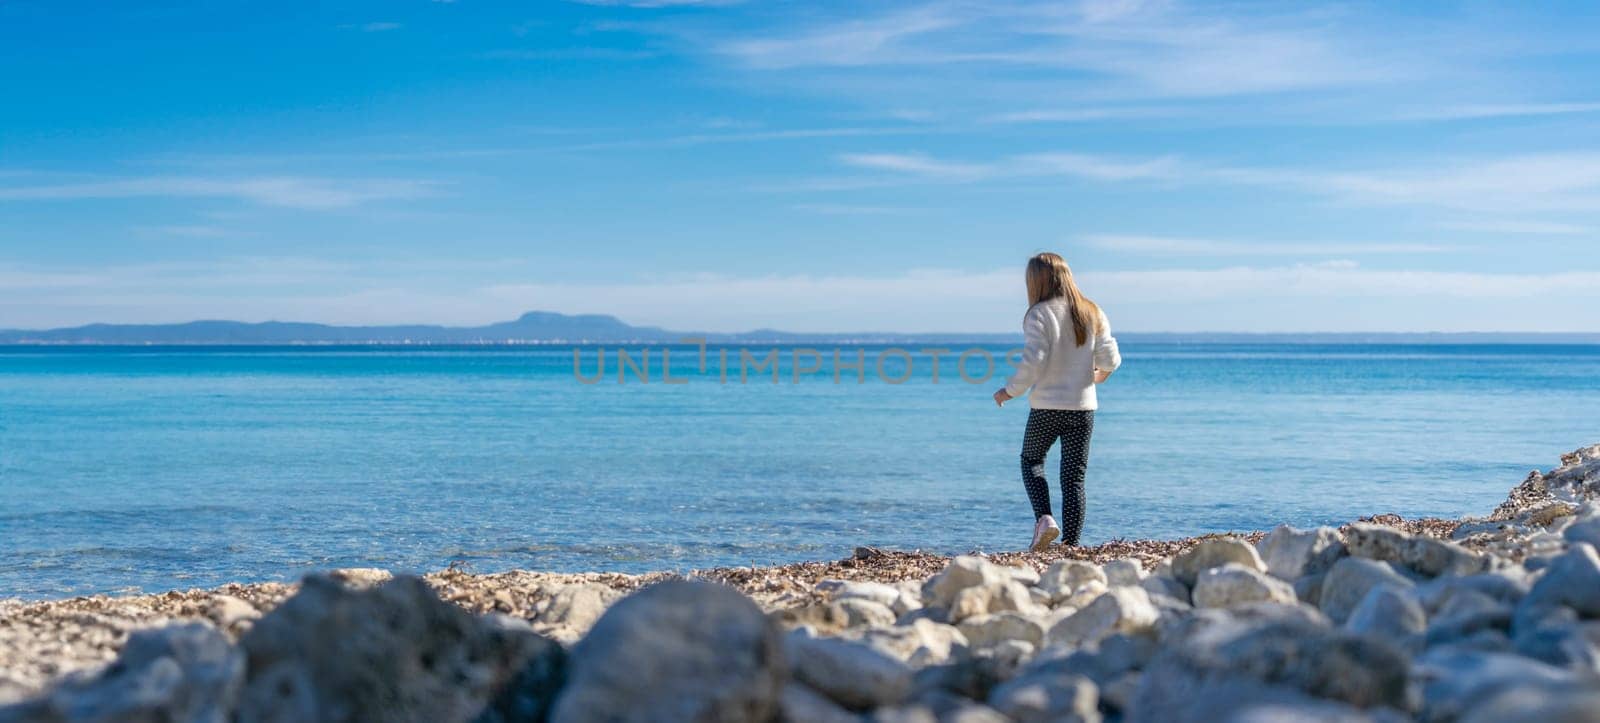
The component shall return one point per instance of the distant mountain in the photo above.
(546, 327)
(534, 326)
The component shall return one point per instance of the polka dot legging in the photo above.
(1073, 427)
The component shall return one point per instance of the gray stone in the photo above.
(861, 612)
(576, 606)
(1308, 588)
(1047, 697)
(967, 571)
(1201, 699)
(1456, 682)
(1214, 552)
(1023, 574)
(528, 696)
(231, 614)
(1502, 586)
(1573, 580)
(676, 650)
(972, 677)
(1452, 629)
(984, 631)
(1425, 555)
(1291, 553)
(1573, 645)
(923, 642)
(1165, 586)
(1007, 656)
(1388, 614)
(1118, 610)
(904, 714)
(1539, 704)
(1063, 577)
(393, 651)
(1349, 581)
(1316, 660)
(845, 589)
(1114, 657)
(993, 598)
(1585, 531)
(1233, 584)
(180, 673)
(800, 704)
(1127, 571)
(851, 674)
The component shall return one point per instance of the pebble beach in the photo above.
(1492, 618)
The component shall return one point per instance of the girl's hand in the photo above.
(1101, 375)
(1001, 397)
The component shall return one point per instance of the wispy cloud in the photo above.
(181, 231)
(285, 191)
(1086, 114)
(1504, 110)
(1096, 167)
(1157, 48)
(1502, 184)
(1173, 246)
(1541, 228)
(1517, 183)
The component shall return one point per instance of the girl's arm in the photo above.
(1035, 348)
(1106, 355)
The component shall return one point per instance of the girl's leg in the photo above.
(1036, 442)
(1075, 432)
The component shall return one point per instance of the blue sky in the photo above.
(801, 165)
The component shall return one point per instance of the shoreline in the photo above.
(97, 625)
(1076, 601)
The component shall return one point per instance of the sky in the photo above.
(809, 166)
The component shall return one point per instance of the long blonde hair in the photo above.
(1049, 277)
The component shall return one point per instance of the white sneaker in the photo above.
(1044, 533)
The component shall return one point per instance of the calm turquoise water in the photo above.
(150, 469)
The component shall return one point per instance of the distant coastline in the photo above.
(551, 328)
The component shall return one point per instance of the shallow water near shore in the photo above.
(156, 468)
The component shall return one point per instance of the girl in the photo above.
(1067, 350)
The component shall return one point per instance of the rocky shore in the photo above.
(1475, 620)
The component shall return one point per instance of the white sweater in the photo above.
(1060, 372)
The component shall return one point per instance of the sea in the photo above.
(129, 469)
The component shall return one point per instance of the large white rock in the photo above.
(850, 673)
(1234, 584)
(675, 651)
(1290, 553)
(1127, 571)
(1118, 610)
(923, 642)
(967, 571)
(1047, 698)
(576, 606)
(877, 592)
(1573, 580)
(800, 704)
(861, 612)
(1064, 577)
(984, 631)
(1425, 555)
(183, 672)
(1389, 614)
(1214, 552)
(1349, 581)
